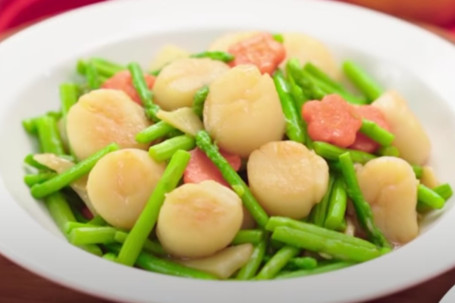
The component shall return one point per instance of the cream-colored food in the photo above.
(390, 187)
(59, 165)
(308, 49)
(178, 81)
(101, 117)
(167, 54)
(225, 262)
(428, 177)
(197, 220)
(120, 184)
(287, 178)
(410, 137)
(242, 110)
(183, 119)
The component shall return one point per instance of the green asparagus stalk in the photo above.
(199, 100)
(332, 152)
(147, 219)
(277, 262)
(362, 80)
(294, 122)
(338, 249)
(253, 236)
(137, 75)
(164, 150)
(337, 206)
(215, 55)
(376, 132)
(154, 132)
(72, 174)
(204, 142)
(249, 270)
(362, 208)
(318, 270)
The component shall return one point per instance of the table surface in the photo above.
(18, 285)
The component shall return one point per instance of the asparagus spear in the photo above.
(204, 142)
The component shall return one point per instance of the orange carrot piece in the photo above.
(123, 81)
(200, 168)
(332, 120)
(374, 114)
(261, 50)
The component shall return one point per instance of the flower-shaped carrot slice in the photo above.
(201, 168)
(261, 50)
(332, 120)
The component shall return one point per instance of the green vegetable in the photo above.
(388, 151)
(294, 123)
(278, 37)
(150, 246)
(309, 88)
(362, 208)
(69, 94)
(329, 85)
(72, 174)
(429, 198)
(336, 248)
(275, 222)
(204, 142)
(335, 217)
(143, 91)
(152, 263)
(147, 219)
(362, 80)
(319, 211)
(215, 55)
(91, 73)
(49, 135)
(302, 263)
(248, 271)
(444, 190)
(164, 150)
(33, 179)
(418, 170)
(104, 68)
(92, 235)
(253, 236)
(277, 262)
(154, 132)
(331, 152)
(375, 132)
(318, 270)
(199, 100)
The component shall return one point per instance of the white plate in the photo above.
(35, 61)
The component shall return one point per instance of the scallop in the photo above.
(243, 111)
(410, 137)
(167, 54)
(101, 117)
(197, 220)
(287, 178)
(177, 83)
(120, 184)
(308, 49)
(390, 187)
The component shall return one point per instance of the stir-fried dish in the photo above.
(258, 158)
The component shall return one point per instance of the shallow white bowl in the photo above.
(33, 63)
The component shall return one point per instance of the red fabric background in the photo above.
(14, 13)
